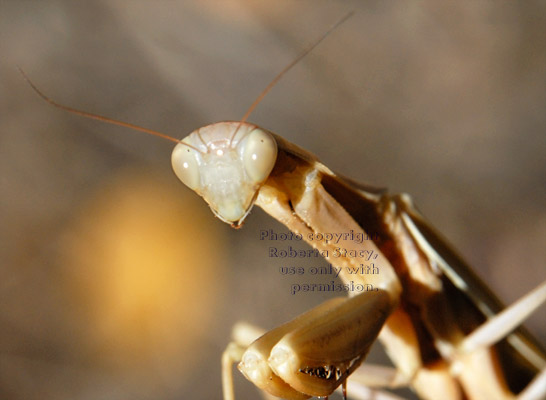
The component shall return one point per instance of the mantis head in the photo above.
(226, 163)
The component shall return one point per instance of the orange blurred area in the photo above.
(127, 293)
(143, 269)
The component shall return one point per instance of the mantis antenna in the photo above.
(170, 138)
(288, 67)
(97, 116)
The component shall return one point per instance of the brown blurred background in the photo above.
(116, 282)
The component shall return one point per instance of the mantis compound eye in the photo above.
(186, 166)
(259, 153)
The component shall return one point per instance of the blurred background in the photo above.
(116, 282)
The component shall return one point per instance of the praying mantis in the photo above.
(290, 184)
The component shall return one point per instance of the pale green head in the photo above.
(226, 163)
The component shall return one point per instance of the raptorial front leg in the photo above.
(314, 353)
(366, 382)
